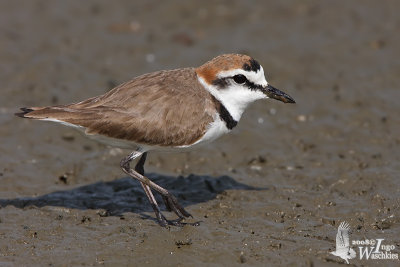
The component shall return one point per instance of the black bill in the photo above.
(274, 93)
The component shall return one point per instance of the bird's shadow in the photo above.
(126, 194)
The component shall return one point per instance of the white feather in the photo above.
(64, 123)
(237, 97)
(215, 130)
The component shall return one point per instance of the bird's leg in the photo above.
(140, 169)
(147, 184)
(160, 217)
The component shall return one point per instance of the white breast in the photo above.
(215, 130)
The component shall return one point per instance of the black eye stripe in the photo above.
(244, 80)
(224, 83)
(254, 86)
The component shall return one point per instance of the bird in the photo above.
(343, 249)
(167, 110)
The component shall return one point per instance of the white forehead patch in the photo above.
(257, 78)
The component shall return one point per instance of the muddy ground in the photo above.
(271, 193)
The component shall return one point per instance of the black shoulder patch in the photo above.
(252, 65)
(224, 114)
(227, 118)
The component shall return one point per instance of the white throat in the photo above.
(235, 97)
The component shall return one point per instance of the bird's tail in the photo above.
(65, 115)
(24, 112)
(45, 113)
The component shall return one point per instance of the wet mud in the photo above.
(272, 193)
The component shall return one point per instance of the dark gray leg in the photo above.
(169, 199)
(140, 169)
(140, 165)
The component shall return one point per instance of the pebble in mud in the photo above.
(86, 219)
(242, 258)
(69, 136)
(67, 177)
(383, 224)
(186, 242)
(127, 229)
(256, 163)
(63, 178)
(103, 213)
(328, 221)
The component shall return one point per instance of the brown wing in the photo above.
(166, 108)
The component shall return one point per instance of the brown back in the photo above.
(164, 108)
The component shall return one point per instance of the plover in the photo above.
(167, 110)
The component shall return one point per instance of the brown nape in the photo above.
(210, 69)
(166, 108)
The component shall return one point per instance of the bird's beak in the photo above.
(274, 93)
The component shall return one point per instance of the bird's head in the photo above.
(352, 254)
(238, 80)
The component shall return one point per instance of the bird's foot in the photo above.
(171, 203)
(178, 222)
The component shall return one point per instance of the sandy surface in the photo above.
(271, 193)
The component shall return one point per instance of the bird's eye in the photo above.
(239, 79)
